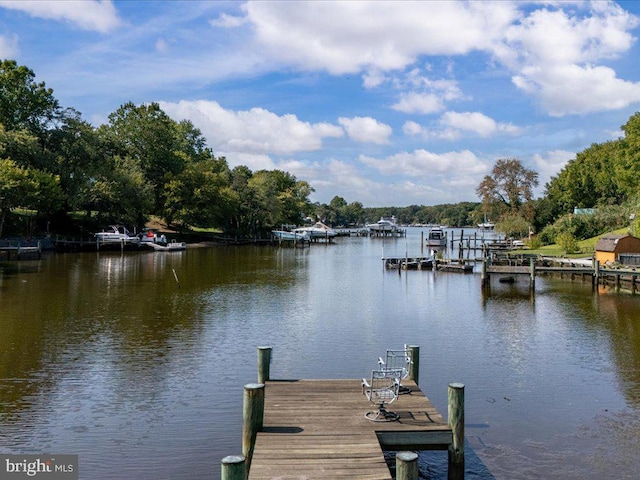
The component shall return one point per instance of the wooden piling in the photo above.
(264, 363)
(532, 266)
(233, 468)
(406, 466)
(456, 422)
(414, 367)
(484, 276)
(253, 417)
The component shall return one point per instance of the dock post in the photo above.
(532, 269)
(414, 368)
(253, 417)
(484, 278)
(407, 466)
(233, 468)
(456, 422)
(264, 362)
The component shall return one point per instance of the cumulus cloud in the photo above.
(324, 35)
(476, 122)
(366, 130)
(549, 50)
(421, 103)
(8, 46)
(96, 15)
(453, 125)
(551, 164)
(255, 131)
(553, 55)
(423, 163)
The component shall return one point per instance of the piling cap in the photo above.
(232, 459)
(407, 456)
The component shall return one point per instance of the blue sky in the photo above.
(385, 103)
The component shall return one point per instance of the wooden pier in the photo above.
(614, 276)
(317, 429)
(20, 251)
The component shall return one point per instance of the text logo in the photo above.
(47, 467)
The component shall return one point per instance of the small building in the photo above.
(612, 246)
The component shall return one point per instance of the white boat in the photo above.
(285, 235)
(318, 230)
(436, 237)
(383, 225)
(116, 234)
(486, 226)
(172, 246)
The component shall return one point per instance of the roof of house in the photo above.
(608, 243)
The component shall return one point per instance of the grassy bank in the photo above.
(587, 247)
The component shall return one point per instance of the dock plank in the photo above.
(317, 429)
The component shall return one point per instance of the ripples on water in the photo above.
(107, 356)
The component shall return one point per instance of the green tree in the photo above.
(121, 193)
(509, 189)
(25, 103)
(513, 226)
(147, 135)
(201, 195)
(27, 188)
(279, 198)
(337, 211)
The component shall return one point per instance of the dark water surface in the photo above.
(106, 356)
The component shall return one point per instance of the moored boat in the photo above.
(293, 236)
(116, 234)
(318, 230)
(437, 237)
(383, 225)
(172, 246)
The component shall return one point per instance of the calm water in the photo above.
(108, 357)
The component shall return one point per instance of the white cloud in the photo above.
(553, 55)
(255, 131)
(550, 164)
(453, 125)
(571, 89)
(95, 15)
(228, 21)
(478, 123)
(421, 103)
(366, 130)
(411, 128)
(422, 163)
(546, 49)
(8, 46)
(348, 37)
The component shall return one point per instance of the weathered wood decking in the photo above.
(317, 429)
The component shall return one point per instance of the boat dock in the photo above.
(317, 428)
(609, 276)
(19, 251)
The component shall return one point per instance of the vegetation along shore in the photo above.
(59, 174)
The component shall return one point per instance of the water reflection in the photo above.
(108, 356)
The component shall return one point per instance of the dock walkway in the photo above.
(317, 429)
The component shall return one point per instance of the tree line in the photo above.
(142, 163)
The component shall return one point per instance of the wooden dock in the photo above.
(20, 251)
(317, 429)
